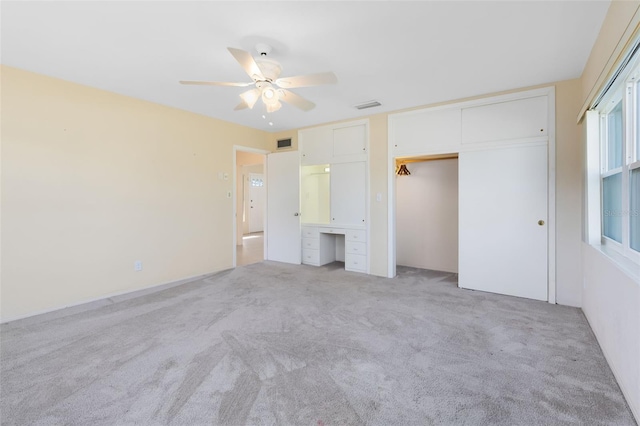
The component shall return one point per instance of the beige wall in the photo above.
(611, 297)
(568, 194)
(93, 181)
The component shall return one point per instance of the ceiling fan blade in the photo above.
(296, 100)
(247, 62)
(307, 80)
(241, 105)
(215, 83)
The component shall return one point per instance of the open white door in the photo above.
(503, 239)
(283, 207)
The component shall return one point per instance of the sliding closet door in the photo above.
(503, 220)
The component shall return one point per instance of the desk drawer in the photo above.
(355, 262)
(356, 235)
(356, 247)
(340, 231)
(310, 243)
(311, 257)
(309, 232)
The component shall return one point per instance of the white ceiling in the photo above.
(402, 54)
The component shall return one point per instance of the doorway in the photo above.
(250, 206)
(427, 212)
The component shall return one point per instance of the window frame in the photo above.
(628, 94)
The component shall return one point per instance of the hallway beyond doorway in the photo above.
(251, 250)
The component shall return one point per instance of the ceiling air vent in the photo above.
(369, 104)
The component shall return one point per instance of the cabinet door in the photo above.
(349, 141)
(512, 120)
(348, 193)
(315, 146)
(418, 132)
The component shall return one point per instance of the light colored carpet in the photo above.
(271, 343)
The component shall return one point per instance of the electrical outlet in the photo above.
(137, 266)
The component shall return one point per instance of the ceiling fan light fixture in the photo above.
(269, 94)
(270, 97)
(250, 97)
(273, 107)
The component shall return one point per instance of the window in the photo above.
(257, 182)
(619, 164)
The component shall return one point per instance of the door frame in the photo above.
(234, 201)
(551, 185)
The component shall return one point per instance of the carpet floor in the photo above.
(271, 343)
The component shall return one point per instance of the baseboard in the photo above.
(89, 304)
(634, 405)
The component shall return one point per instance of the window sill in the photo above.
(626, 265)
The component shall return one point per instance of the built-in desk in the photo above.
(322, 244)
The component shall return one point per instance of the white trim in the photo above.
(234, 196)
(368, 192)
(593, 179)
(610, 173)
(551, 196)
(551, 192)
(391, 200)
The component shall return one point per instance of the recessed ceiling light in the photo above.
(271, 123)
(264, 116)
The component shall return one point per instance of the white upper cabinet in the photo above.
(334, 143)
(511, 120)
(315, 145)
(350, 142)
(334, 162)
(422, 131)
(348, 193)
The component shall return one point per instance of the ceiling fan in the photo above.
(265, 73)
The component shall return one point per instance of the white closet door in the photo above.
(503, 221)
(348, 193)
(283, 207)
